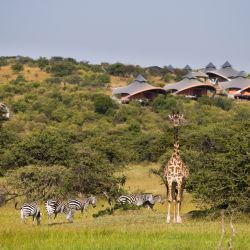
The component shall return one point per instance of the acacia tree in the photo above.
(39, 182)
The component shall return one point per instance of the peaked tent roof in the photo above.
(210, 66)
(170, 68)
(189, 81)
(239, 82)
(226, 65)
(226, 71)
(187, 67)
(137, 86)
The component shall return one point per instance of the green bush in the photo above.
(103, 103)
(17, 67)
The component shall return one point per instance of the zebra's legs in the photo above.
(168, 213)
(22, 217)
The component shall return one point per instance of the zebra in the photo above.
(55, 207)
(82, 205)
(29, 209)
(157, 199)
(136, 199)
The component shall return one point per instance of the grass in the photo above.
(29, 73)
(135, 229)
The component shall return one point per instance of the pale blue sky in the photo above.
(144, 32)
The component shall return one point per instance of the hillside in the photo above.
(65, 121)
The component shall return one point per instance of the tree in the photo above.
(220, 168)
(40, 182)
(61, 68)
(17, 67)
(42, 62)
(43, 148)
(103, 103)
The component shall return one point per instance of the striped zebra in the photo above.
(136, 199)
(157, 199)
(29, 209)
(82, 205)
(55, 207)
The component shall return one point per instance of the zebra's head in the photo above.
(92, 200)
(69, 215)
(149, 197)
(159, 198)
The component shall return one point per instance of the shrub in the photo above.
(17, 67)
(103, 103)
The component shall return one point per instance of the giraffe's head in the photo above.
(4, 112)
(177, 119)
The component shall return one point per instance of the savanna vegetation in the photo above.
(67, 136)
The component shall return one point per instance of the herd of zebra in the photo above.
(55, 207)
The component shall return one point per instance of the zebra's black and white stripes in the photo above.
(156, 199)
(55, 207)
(29, 209)
(136, 199)
(82, 205)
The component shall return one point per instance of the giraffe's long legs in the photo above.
(178, 217)
(168, 213)
(174, 212)
(179, 195)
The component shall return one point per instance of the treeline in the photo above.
(69, 70)
(67, 139)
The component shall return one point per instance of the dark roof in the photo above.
(189, 81)
(140, 78)
(239, 82)
(210, 66)
(187, 67)
(226, 65)
(200, 74)
(170, 68)
(190, 75)
(226, 71)
(138, 85)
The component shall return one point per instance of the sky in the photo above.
(143, 32)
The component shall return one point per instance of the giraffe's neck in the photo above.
(176, 142)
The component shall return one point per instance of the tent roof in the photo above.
(187, 67)
(239, 82)
(226, 65)
(200, 74)
(137, 86)
(210, 66)
(170, 68)
(189, 81)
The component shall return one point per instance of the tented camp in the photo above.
(190, 86)
(139, 90)
(225, 73)
(238, 87)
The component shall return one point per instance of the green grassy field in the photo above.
(135, 229)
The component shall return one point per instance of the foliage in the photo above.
(44, 147)
(103, 104)
(17, 67)
(221, 177)
(40, 182)
(61, 68)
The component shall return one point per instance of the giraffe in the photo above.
(175, 172)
